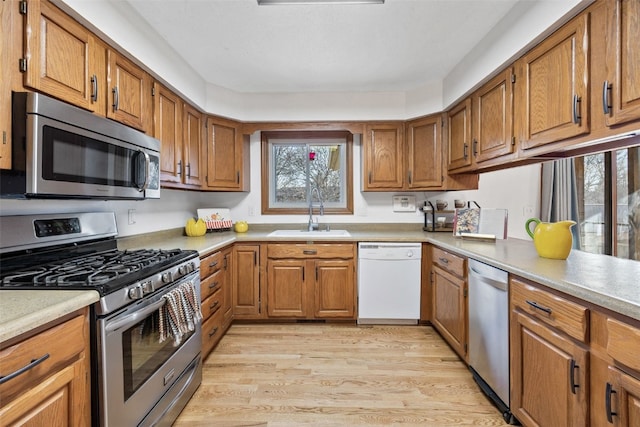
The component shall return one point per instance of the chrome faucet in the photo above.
(314, 225)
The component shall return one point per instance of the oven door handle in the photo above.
(134, 317)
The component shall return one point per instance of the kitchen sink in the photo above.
(306, 234)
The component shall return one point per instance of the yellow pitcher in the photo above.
(551, 239)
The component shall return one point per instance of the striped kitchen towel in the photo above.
(180, 313)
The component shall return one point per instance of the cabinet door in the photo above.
(193, 143)
(227, 266)
(335, 289)
(460, 135)
(10, 51)
(224, 155)
(553, 82)
(246, 281)
(449, 310)
(493, 111)
(59, 55)
(167, 129)
(622, 90)
(382, 157)
(424, 153)
(549, 375)
(59, 400)
(287, 294)
(129, 93)
(622, 399)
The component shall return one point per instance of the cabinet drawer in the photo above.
(210, 264)
(452, 263)
(333, 251)
(211, 332)
(623, 343)
(212, 304)
(211, 284)
(57, 346)
(565, 315)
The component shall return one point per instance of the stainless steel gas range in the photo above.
(146, 360)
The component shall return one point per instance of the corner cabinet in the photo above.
(55, 388)
(549, 358)
(553, 82)
(449, 309)
(311, 281)
(382, 151)
(227, 156)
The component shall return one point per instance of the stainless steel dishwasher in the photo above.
(489, 333)
(389, 283)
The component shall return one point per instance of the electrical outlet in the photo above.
(527, 210)
(252, 211)
(132, 216)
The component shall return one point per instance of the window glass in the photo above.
(592, 223)
(307, 169)
(628, 203)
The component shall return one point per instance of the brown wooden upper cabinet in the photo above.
(460, 135)
(129, 93)
(62, 58)
(180, 129)
(481, 126)
(227, 156)
(382, 152)
(621, 90)
(552, 83)
(424, 153)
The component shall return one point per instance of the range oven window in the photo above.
(76, 158)
(142, 352)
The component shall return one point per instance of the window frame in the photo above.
(266, 136)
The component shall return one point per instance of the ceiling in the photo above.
(397, 46)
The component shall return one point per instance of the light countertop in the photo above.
(22, 311)
(605, 281)
(608, 282)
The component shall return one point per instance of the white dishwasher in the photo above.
(389, 282)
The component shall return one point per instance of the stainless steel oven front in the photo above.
(143, 381)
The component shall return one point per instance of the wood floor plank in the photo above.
(336, 375)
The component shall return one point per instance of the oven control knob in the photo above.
(166, 277)
(136, 292)
(183, 269)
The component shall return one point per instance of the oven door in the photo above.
(135, 370)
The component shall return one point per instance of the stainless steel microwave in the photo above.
(61, 151)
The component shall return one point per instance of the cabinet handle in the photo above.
(94, 88)
(213, 285)
(606, 90)
(238, 177)
(572, 376)
(410, 178)
(179, 172)
(30, 365)
(225, 264)
(188, 169)
(303, 274)
(310, 251)
(369, 177)
(213, 332)
(213, 264)
(116, 99)
(443, 260)
(215, 304)
(538, 306)
(465, 149)
(576, 109)
(607, 400)
(475, 148)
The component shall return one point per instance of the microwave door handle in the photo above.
(147, 174)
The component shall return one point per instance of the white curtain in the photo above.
(559, 195)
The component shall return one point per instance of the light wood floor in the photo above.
(336, 375)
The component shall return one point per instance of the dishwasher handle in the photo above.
(498, 284)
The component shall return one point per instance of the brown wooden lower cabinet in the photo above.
(311, 281)
(246, 298)
(55, 392)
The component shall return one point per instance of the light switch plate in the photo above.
(404, 203)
